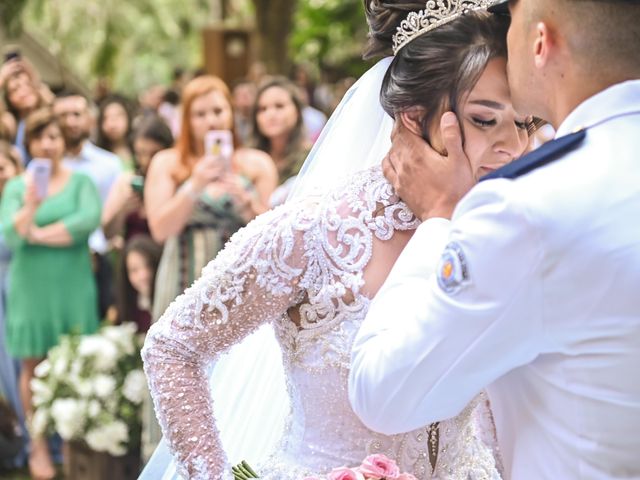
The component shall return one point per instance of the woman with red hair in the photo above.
(194, 200)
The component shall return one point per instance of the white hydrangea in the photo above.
(84, 388)
(109, 438)
(123, 336)
(76, 367)
(104, 351)
(43, 369)
(69, 417)
(135, 386)
(60, 366)
(39, 421)
(41, 391)
(104, 386)
(94, 409)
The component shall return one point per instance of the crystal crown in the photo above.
(435, 14)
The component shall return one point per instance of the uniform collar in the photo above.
(617, 100)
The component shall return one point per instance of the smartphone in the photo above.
(12, 53)
(137, 184)
(40, 169)
(219, 144)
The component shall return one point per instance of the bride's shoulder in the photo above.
(365, 196)
(366, 191)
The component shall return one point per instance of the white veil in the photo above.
(249, 384)
(356, 137)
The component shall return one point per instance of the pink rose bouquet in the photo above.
(374, 467)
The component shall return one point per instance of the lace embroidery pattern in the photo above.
(311, 255)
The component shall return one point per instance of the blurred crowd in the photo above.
(134, 204)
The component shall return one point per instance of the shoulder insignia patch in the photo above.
(540, 157)
(453, 271)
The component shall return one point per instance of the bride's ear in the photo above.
(411, 119)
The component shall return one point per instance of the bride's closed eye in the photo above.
(484, 123)
(522, 125)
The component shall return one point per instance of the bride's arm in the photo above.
(255, 279)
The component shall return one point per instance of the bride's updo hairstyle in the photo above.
(437, 69)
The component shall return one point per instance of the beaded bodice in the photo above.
(300, 267)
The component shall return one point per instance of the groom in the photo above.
(536, 296)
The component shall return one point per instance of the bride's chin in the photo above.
(482, 171)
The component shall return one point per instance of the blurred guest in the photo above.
(8, 125)
(114, 130)
(23, 93)
(123, 214)
(169, 110)
(257, 72)
(101, 90)
(314, 120)
(302, 77)
(10, 163)
(10, 166)
(179, 79)
(151, 99)
(340, 89)
(51, 264)
(196, 201)
(278, 129)
(73, 113)
(137, 281)
(244, 96)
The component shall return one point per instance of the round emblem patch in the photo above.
(452, 270)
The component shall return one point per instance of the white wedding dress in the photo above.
(305, 260)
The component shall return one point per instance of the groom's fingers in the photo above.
(452, 138)
(389, 171)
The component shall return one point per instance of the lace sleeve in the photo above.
(254, 280)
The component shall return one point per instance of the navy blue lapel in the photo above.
(547, 153)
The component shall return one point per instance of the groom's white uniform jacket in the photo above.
(537, 296)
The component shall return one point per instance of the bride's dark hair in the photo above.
(434, 70)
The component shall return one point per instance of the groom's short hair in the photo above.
(600, 33)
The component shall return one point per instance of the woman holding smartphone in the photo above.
(195, 200)
(46, 220)
(123, 215)
(23, 93)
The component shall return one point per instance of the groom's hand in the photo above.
(429, 182)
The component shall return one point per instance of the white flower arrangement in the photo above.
(90, 389)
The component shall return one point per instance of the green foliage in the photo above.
(11, 14)
(138, 43)
(134, 44)
(330, 34)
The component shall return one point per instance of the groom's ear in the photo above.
(411, 119)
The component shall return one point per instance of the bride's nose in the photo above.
(510, 142)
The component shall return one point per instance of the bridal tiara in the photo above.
(435, 14)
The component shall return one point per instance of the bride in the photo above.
(311, 267)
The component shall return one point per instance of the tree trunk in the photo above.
(274, 20)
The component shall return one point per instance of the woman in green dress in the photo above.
(51, 286)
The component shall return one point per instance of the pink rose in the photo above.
(406, 476)
(344, 473)
(379, 467)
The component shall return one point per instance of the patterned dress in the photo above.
(307, 256)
